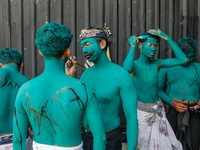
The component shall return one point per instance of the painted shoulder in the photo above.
(4, 76)
(87, 71)
(120, 71)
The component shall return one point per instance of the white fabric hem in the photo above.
(38, 146)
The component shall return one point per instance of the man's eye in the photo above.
(150, 45)
(88, 44)
(155, 45)
(82, 46)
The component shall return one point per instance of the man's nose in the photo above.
(154, 49)
(84, 50)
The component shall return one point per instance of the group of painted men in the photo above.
(53, 103)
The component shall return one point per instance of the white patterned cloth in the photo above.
(6, 142)
(155, 132)
(38, 146)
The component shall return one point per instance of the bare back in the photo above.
(10, 82)
(55, 107)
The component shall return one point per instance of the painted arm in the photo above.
(95, 122)
(20, 124)
(129, 103)
(129, 61)
(170, 62)
(161, 83)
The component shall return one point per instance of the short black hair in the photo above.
(187, 44)
(53, 39)
(151, 36)
(10, 55)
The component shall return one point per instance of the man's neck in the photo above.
(143, 59)
(54, 66)
(12, 67)
(102, 61)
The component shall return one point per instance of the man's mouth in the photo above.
(152, 54)
(88, 55)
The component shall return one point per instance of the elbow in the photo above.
(185, 60)
(127, 68)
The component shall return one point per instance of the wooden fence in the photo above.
(20, 19)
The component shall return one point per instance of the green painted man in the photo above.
(154, 129)
(11, 61)
(113, 87)
(53, 103)
(182, 93)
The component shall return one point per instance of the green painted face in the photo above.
(190, 55)
(91, 49)
(149, 47)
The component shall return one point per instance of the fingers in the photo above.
(179, 107)
(69, 63)
(194, 107)
(154, 31)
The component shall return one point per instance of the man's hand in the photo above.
(158, 33)
(133, 40)
(71, 66)
(195, 107)
(179, 107)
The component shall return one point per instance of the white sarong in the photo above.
(155, 132)
(38, 146)
(6, 142)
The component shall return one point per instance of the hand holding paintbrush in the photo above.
(71, 66)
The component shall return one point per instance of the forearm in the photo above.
(177, 51)
(19, 140)
(165, 97)
(99, 142)
(129, 61)
(132, 133)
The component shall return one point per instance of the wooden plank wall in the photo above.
(20, 19)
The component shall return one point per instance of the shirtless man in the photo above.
(53, 103)
(182, 93)
(154, 130)
(10, 81)
(113, 87)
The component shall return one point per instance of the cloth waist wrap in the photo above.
(6, 142)
(146, 108)
(38, 146)
(6, 139)
(183, 132)
(155, 132)
(109, 136)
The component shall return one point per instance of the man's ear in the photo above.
(140, 45)
(40, 53)
(66, 53)
(21, 66)
(103, 44)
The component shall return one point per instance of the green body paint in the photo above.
(53, 104)
(145, 70)
(113, 87)
(10, 81)
(183, 82)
